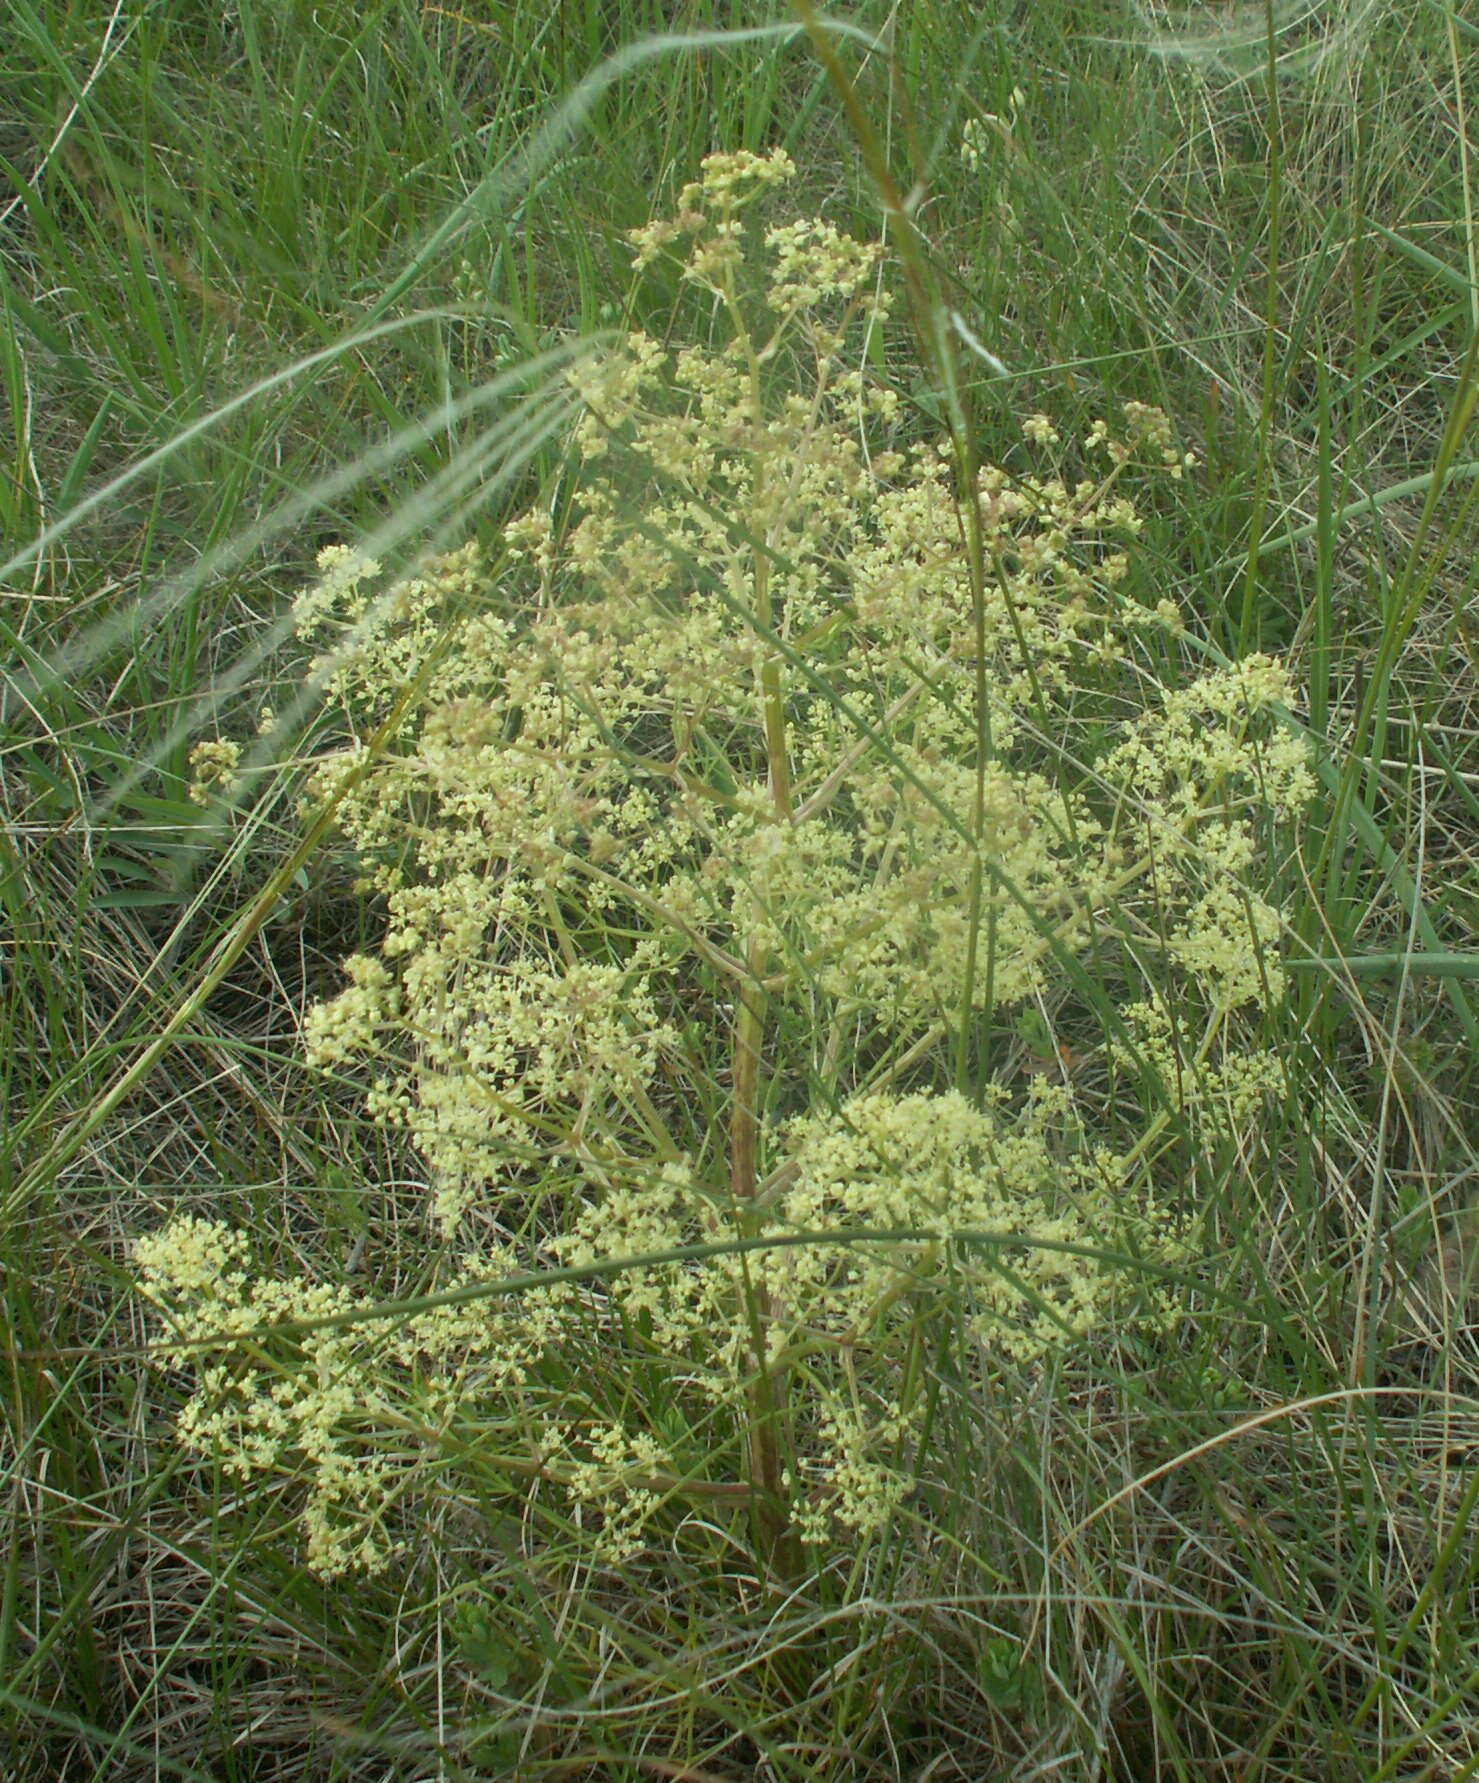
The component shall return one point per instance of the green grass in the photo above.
(278, 275)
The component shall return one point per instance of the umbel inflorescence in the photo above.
(727, 797)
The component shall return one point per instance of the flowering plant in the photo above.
(726, 813)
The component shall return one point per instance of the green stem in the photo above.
(776, 1539)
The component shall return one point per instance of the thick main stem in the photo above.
(767, 1398)
(767, 1395)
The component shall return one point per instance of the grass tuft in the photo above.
(279, 277)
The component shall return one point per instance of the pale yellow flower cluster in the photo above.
(1201, 769)
(350, 1411)
(1147, 434)
(613, 1474)
(711, 740)
(844, 1481)
(215, 765)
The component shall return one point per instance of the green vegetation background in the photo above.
(263, 267)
